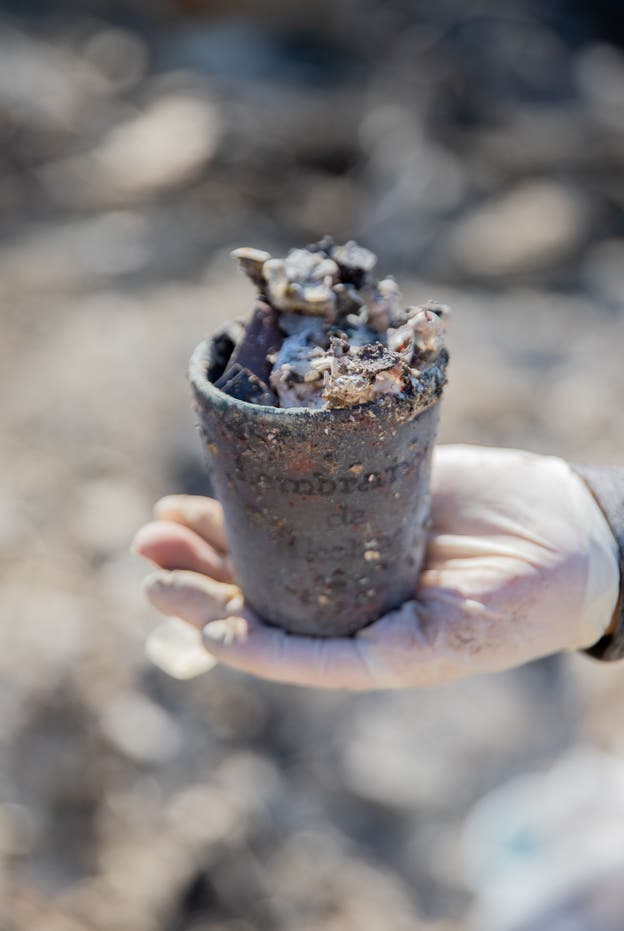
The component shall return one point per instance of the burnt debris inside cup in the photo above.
(318, 420)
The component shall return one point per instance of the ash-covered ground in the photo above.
(479, 152)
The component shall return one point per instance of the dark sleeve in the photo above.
(606, 483)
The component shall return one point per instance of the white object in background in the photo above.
(542, 836)
(176, 648)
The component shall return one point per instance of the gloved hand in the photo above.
(521, 563)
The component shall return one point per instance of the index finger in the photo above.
(245, 643)
(201, 514)
(390, 653)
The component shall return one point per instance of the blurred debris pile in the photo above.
(479, 153)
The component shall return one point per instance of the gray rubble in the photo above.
(346, 339)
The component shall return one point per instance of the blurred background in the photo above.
(478, 148)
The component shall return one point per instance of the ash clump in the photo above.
(326, 333)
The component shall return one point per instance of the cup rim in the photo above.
(198, 377)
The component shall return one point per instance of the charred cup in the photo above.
(326, 510)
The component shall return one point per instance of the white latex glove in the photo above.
(521, 563)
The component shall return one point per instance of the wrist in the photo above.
(602, 591)
(613, 624)
(605, 487)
